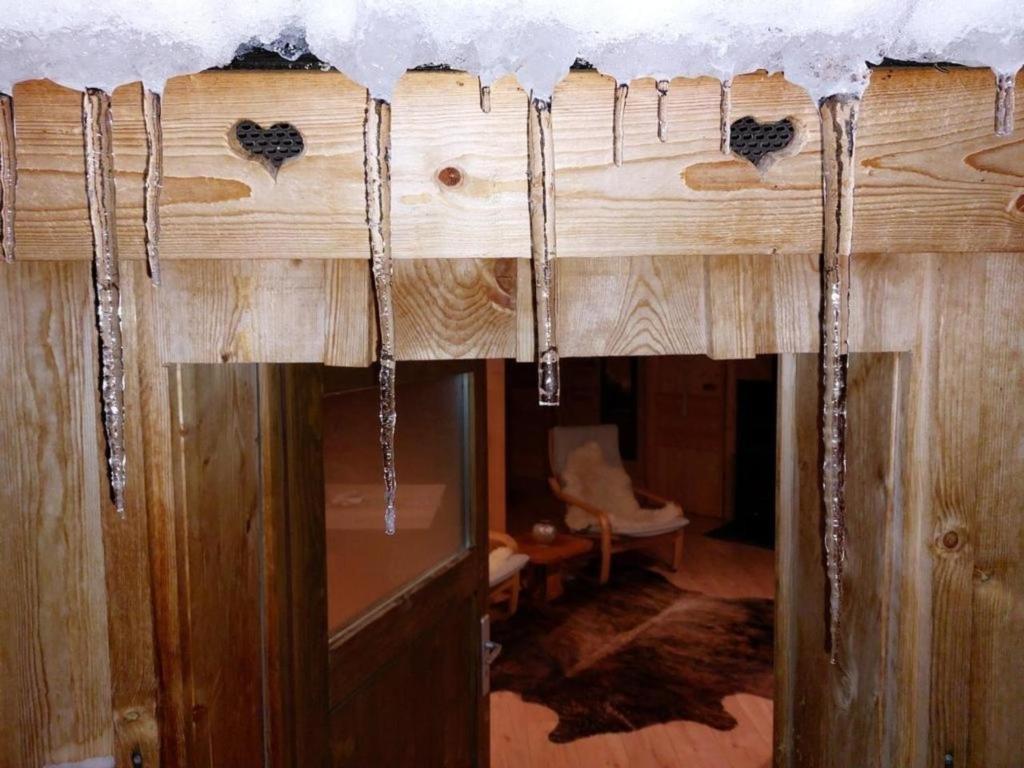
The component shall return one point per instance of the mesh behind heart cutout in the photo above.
(754, 141)
(273, 145)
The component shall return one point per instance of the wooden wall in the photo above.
(678, 250)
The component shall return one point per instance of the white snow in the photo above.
(822, 45)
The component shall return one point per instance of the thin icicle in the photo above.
(485, 98)
(377, 146)
(99, 184)
(542, 245)
(153, 181)
(8, 176)
(662, 116)
(725, 117)
(838, 116)
(618, 135)
(1005, 98)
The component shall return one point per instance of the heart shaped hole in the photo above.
(271, 146)
(757, 142)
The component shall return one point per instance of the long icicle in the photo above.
(153, 180)
(541, 181)
(1005, 88)
(377, 146)
(99, 184)
(662, 87)
(8, 176)
(618, 116)
(838, 115)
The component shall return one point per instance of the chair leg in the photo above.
(606, 562)
(677, 551)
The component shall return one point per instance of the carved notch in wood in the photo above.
(271, 146)
(761, 143)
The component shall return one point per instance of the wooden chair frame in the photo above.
(612, 543)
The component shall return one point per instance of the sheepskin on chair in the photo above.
(590, 478)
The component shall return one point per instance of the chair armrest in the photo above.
(651, 496)
(600, 514)
(497, 539)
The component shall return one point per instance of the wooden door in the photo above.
(251, 658)
(407, 681)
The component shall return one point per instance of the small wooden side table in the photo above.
(549, 560)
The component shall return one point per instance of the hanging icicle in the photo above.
(8, 176)
(99, 184)
(1005, 98)
(542, 245)
(618, 135)
(377, 147)
(662, 110)
(725, 117)
(838, 116)
(153, 180)
(485, 98)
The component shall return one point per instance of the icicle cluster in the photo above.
(377, 144)
(99, 184)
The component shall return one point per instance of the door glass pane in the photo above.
(364, 565)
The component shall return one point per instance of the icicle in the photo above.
(99, 184)
(153, 181)
(1005, 90)
(838, 116)
(618, 135)
(725, 117)
(8, 175)
(485, 98)
(662, 117)
(377, 146)
(542, 245)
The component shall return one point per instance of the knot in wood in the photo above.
(450, 176)
(950, 540)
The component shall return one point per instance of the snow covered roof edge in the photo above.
(822, 45)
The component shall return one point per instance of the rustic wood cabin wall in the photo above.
(662, 244)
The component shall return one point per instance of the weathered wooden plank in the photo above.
(997, 665)
(729, 299)
(637, 306)
(243, 311)
(931, 175)
(217, 202)
(681, 195)
(455, 308)
(51, 220)
(54, 655)
(218, 503)
(458, 174)
(350, 329)
(130, 166)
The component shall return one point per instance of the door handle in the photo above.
(489, 651)
(492, 651)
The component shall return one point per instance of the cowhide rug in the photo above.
(637, 652)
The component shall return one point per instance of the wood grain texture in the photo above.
(728, 300)
(54, 654)
(51, 220)
(681, 195)
(217, 493)
(349, 327)
(455, 308)
(219, 203)
(458, 174)
(130, 165)
(126, 542)
(836, 714)
(245, 311)
(931, 175)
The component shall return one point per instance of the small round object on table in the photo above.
(544, 532)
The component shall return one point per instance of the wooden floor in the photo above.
(519, 730)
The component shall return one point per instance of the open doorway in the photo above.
(656, 657)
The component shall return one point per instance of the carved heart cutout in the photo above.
(757, 142)
(271, 146)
